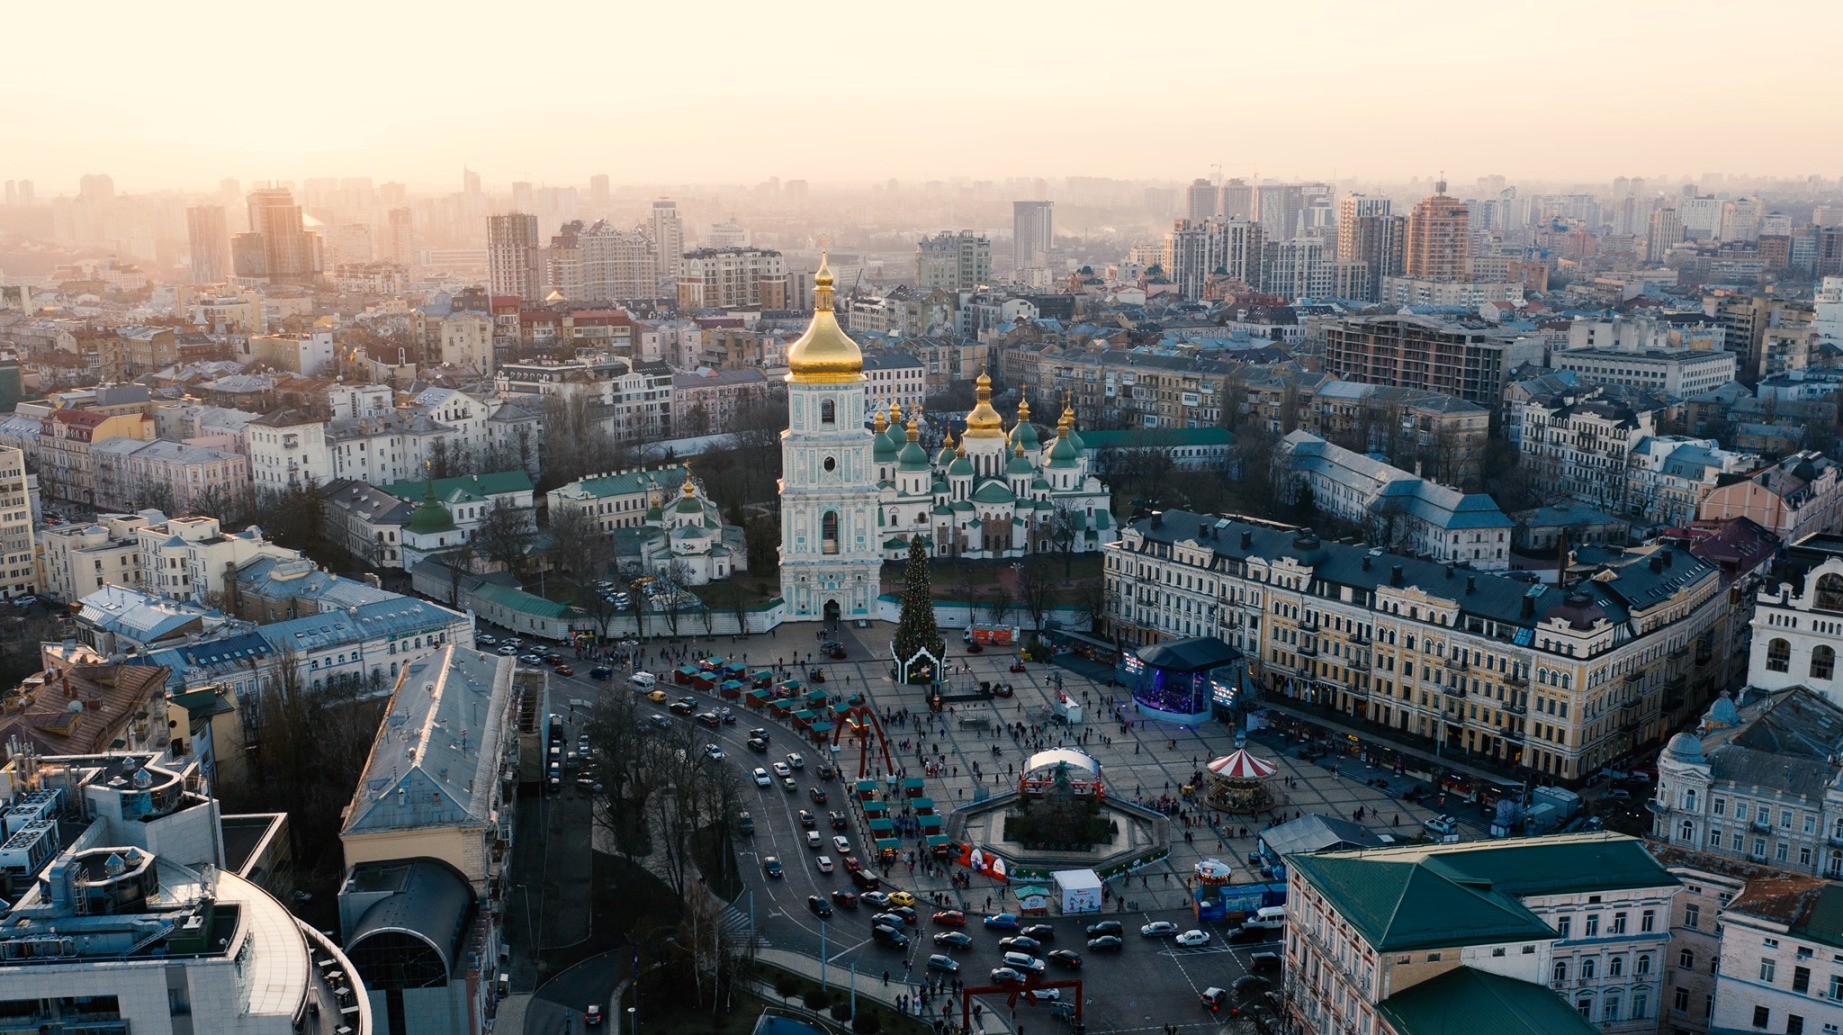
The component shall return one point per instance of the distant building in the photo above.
(1678, 373)
(1470, 361)
(1793, 498)
(1439, 245)
(1033, 232)
(512, 260)
(721, 278)
(953, 262)
(78, 559)
(209, 241)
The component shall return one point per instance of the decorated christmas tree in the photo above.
(915, 630)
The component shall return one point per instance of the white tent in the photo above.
(1079, 890)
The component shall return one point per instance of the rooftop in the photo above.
(1466, 1000)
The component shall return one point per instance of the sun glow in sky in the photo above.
(726, 91)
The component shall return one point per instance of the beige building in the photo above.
(1797, 496)
(18, 564)
(76, 560)
(66, 457)
(720, 278)
(191, 558)
(1439, 238)
(171, 476)
(1562, 681)
(1546, 935)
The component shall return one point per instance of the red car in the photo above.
(564, 670)
(950, 918)
(852, 865)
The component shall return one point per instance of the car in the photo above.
(1442, 825)
(757, 745)
(761, 778)
(780, 769)
(1263, 961)
(876, 898)
(1024, 962)
(759, 733)
(1159, 929)
(1002, 922)
(660, 722)
(1214, 998)
(657, 697)
(789, 784)
(745, 822)
(944, 963)
(644, 681)
(852, 864)
(902, 898)
(564, 670)
(709, 719)
(771, 865)
(682, 707)
(807, 822)
(890, 936)
(819, 797)
(846, 899)
(713, 752)
(1243, 935)
(487, 638)
(889, 920)
(838, 820)
(553, 658)
(531, 659)
(1006, 976)
(824, 863)
(909, 916)
(819, 906)
(1193, 937)
(508, 650)
(866, 880)
(1019, 943)
(843, 844)
(953, 939)
(1041, 932)
(827, 771)
(592, 1016)
(1044, 995)
(1248, 986)
(601, 673)
(949, 918)
(1106, 927)
(812, 840)
(797, 760)
(1067, 959)
(1618, 794)
(1105, 943)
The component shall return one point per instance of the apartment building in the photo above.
(721, 278)
(1565, 933)
(169, 476)
(1195, 251)
(66, 449)
(1670, 475)
(1442, 436)
(953, 261)
(1406, 513)
(706, 402)
(1677, 373)
(892, 377)
(1793, 498)
(1135, 389)
(616, 499)
(1579, 444)
(18, 553)
(1559, 679)
(1756, 783)
(1471, 361)
(192, 558)
(76, 560)
(1781, 964)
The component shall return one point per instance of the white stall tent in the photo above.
(1079, 890)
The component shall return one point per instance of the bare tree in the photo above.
(1038, 592)
(503, 537)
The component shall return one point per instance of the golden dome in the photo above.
(1023, 407)
(984, 421)
(825, 354)
(895, 413)
(877, 423)
(1067, 422)
(689, 489)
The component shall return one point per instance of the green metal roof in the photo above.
(1163, 438)
(1463, 1001)
(994, 492)
(1427, 896)
(525, 603)
(465, 489)
(625, 484)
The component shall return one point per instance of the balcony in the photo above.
(1308, 649)
(1359, 664)
(1453, 691)
(1761, 824)
(1309, 623)
(1458, 663)
(1507, 733)
(1515, 679)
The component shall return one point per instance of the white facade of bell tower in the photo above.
(830, 553)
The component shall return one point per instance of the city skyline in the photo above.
(420, 116)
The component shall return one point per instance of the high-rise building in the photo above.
(96, 187)
(1202, 201)
(470, 181)
(18, 570)
(12, 193)
(208, 235)
(1740, 220)
(1666, 232)
(25, 193)
(719, 278)
(953, 262)
(1238, 199)
(669, 240)
(1439, 238)
(1278, 206)
(400, 237)
(1350, 208)
(290, 253)
(1194, 252)
(603, 263)
(1033, 232)
(1295, 269)
(512, 255)
(598, 191)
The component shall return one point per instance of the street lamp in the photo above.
(632, 1022)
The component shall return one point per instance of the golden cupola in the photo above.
(825, 354)
(984, 421)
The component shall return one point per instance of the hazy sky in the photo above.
(180, 95)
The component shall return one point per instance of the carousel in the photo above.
(1240, 782)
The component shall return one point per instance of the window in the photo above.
(1647, 921)
(1679, 999)
(1692, 915)
(1836, 987)
(1593, 926)
(1794, 1024)
(1642, 965)
(1560, 974)
(1618, 923)
(1779, 656)
(1801, 980)
(1609, 1010)
(1615, 967)
(1686, 959)
(1762, 1016)
(1823, 662)
(828, 532)
(828, 412)
(830, 464)
(1562, 924)
(1589, 969)
(1767, 969)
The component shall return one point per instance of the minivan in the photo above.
(643, 680)
(1266, 918)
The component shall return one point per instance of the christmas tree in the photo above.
(915, 630)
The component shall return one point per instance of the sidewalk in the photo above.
(1417, 749)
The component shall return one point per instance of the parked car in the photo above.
(953, 939)
(1106, 943)
(943, 963)
(1106, 927)
(875, 899)
(1259, 962)
(1193, 937)
(1002, 922)
(1041, 932)
(890, 936)
(1159, 929)
(902, 898)
(1067, 959)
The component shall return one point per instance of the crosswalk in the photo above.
(736, 925)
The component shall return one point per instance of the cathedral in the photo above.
(852, 497)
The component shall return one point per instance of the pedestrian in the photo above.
(886, 978)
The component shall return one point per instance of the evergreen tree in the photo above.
(916, 630)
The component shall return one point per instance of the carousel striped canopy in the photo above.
(1242, 766)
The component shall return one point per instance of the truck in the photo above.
(990, 635)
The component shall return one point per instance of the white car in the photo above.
(508, 650)
(781, 770)
(1193, 937)
(812, 840)
(714, 752)
(794, 759)
(844, 846)
(761, 778)
(1158, 929)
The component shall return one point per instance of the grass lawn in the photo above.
(721, 597)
